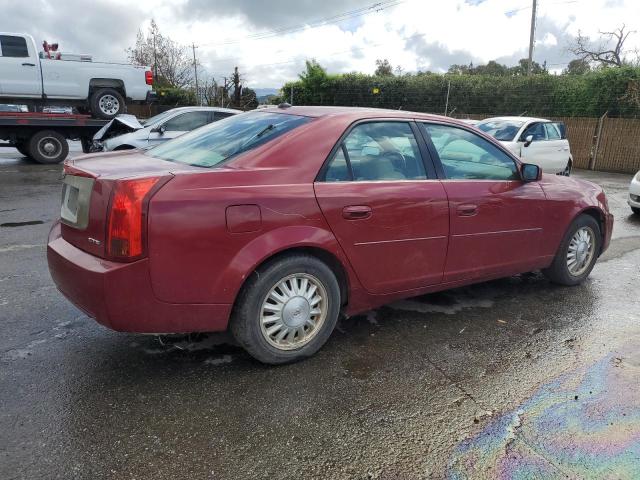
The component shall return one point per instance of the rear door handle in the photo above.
(356, 212)
(467, 210)
(27, 64)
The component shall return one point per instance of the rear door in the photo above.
(496, 219)
(181, 124)
(559, 148)
(20, 68)
(385, 207)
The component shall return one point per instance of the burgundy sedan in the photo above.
(274, 223)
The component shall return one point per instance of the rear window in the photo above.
(13, 46)
(214, 144)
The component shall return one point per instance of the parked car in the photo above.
(125, 131)
(535, 140)
(103, 88)
(634, 194)
(274, 222)
(4, 108)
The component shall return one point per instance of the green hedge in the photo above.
(589, 95)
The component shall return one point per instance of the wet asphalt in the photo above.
(515, 378)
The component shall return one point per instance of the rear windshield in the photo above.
(502, 130)
(211, 145)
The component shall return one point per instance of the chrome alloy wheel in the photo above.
(109, 105)
(582, 248)
(293, 311)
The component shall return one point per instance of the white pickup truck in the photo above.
(30, 78)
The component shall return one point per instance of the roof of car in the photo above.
(210, 109)
(355, 112)
(521, 119)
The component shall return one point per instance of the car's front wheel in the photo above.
(287, 310)
(578, 252)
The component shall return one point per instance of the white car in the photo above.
(103, 88)
(634, 194)
(125, 131)
(535, 140)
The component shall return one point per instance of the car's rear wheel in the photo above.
(107, 103)
(287, 310)
(578, 252)
(567, 170)
(635, 210)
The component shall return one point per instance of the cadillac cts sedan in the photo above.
(274, 223)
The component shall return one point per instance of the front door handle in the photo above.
(27, 64)
(467, 210)
(356, 212)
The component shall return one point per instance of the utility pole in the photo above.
(195, 71)
(532, 36)
(155, 59)
(446, 105)
(291, 99)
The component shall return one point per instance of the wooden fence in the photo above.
(617, 151)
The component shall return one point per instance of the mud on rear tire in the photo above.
(247, 317)
(559, 271)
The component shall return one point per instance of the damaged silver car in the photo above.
(126, 132)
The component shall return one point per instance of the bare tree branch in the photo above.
(608, 52)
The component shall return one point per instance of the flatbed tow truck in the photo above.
(43, 137)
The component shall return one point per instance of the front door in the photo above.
(496, 219)
(391, 220)
(20, 68)
(179, 125)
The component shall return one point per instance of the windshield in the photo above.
(157, 118)
(219, 141)
(502, 130)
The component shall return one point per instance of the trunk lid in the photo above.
(87, 187)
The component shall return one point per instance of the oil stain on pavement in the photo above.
(584, 424)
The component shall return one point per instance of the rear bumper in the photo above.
(119, 295)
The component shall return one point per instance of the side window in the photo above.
(220, 115)
(536, 130)
(377, 151)
(467, 156)
(187, 121)
(552, 131)
(13, 46)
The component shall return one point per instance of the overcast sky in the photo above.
(343, 35)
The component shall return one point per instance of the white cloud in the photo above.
(415, 34)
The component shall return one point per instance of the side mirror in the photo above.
(531, 172)
(528, 139)
(160, 129)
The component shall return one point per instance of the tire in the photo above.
(48, 146)
(560, 271)
(635, 210)
(567, 170)
(23, 149)
(255, 303)
(106, 103)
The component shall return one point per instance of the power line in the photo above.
(373, 8)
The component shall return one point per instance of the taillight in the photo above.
(127, 217)
(148, 77)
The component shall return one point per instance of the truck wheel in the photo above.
(106, 103)
(22, 148)
(48, 146)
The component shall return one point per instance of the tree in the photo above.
(577, 66)
(608, 51)
(169, 60)
(383, 68)
(523, 68)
